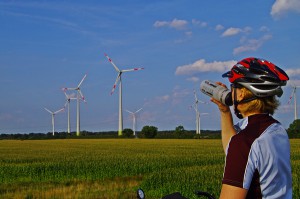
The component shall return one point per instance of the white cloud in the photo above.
(162, 99)
(176, 23)
(281, 7)
(157, 100)
(293, 72)
(231, 32)
(201, 66)
(247, 29)
(264, 29)
(293, 82)
(219, 27)
(193, 79)
(251, 44)
(174, 98)
(178, 95)
(199, 23)
(234, 31)
(159, 24)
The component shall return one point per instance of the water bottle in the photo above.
(217, 92)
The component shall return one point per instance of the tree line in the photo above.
(147, 132)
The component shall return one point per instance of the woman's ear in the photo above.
(240, 94)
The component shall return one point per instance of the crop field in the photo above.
(115, 168)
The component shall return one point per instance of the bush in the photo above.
(179, 131)
(149, 131)
(294, 129)
(128, 133)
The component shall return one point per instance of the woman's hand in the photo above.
(222, 107)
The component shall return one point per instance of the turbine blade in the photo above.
(129, 112)
(133, 69)
(81, 95)
(48, 110)
(110, 60)
(138, 110)
(59, 110)
(69, 89)
(196, 99)
(115, 84)
(195, 108)
(291, 97)
(81, 81)
(72, 96)
(67, 96)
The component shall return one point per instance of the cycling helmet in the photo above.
(260, 76)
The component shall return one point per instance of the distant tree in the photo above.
(294, 129)
(179, 131)
(149, 131)
(128, 133)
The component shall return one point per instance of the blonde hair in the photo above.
(261, 105)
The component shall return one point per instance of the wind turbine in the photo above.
(68, 100)
(119, 80)
(293, 95)
(134, 119)
(195, 106)
(79, 97)
(52, 115)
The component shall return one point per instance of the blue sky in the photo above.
(48, 45)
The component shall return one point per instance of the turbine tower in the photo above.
(68, 100)
(195, 106)
(134, 120)
(197, 119)
(294, 95)
(52, 115)
(79, 97)
(197, 114)
(119, 80)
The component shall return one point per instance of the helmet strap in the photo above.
(236, 103)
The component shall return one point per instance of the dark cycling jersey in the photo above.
(258, 158)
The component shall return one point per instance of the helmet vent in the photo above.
(265, 87)
(270, 79)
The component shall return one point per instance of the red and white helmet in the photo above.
(260, 76)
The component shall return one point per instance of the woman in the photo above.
(257, 148)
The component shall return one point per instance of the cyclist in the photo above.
(257, 148)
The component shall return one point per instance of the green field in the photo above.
(115, 168)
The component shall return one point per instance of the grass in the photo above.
(115, 168)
